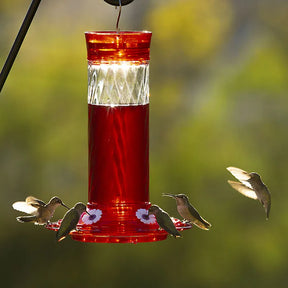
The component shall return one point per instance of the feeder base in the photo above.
(119, 223)
(100, 238)
(85, 233)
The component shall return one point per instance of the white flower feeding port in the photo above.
(93, 216)
(143, 216)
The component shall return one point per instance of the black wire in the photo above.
(18, 41)
(117, 23)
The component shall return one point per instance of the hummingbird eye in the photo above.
(58, 201)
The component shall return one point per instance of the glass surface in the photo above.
(118, 154)
(120, 83)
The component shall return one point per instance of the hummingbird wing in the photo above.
(198, 220)
(165, 222)
(68, 224)
(30, 200)
(241, 175)
(24, 207)
(24, 219)
(243, 189)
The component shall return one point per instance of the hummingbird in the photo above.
(164, 220)
(40, 213)
(188, 212)
(251, 186)
(70, 221)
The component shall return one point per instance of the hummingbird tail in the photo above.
(177, 235)
(203, 224)
(59, 239)
(267, 212)
(58, 236)
(207, 225)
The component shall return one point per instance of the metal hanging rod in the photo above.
(18, 41)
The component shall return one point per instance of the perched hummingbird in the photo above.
(164, 220)
(188, 212)
(40, 213)
(251, 186)
(70, 221)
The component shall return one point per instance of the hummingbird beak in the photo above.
(87, 212)
(169, 195)
(65, 206)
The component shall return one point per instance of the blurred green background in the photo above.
(218, 83)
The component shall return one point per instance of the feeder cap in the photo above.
(118, 46)
(116, 2)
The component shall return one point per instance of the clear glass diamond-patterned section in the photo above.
(118, 84)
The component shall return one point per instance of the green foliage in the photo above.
(202, 26)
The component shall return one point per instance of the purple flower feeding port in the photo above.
(118, 133)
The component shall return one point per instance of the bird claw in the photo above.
(185, 221)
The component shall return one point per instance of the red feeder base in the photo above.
(119, 224)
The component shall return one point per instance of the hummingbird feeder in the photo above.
(118, 133)
(118, 137)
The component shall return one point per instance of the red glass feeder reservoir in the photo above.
(118, 125)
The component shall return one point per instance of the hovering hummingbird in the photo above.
(164, 220)
(40, 213)
(251, 186)
(188, 212)
(70, 221)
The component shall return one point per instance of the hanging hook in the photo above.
(118, 18)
